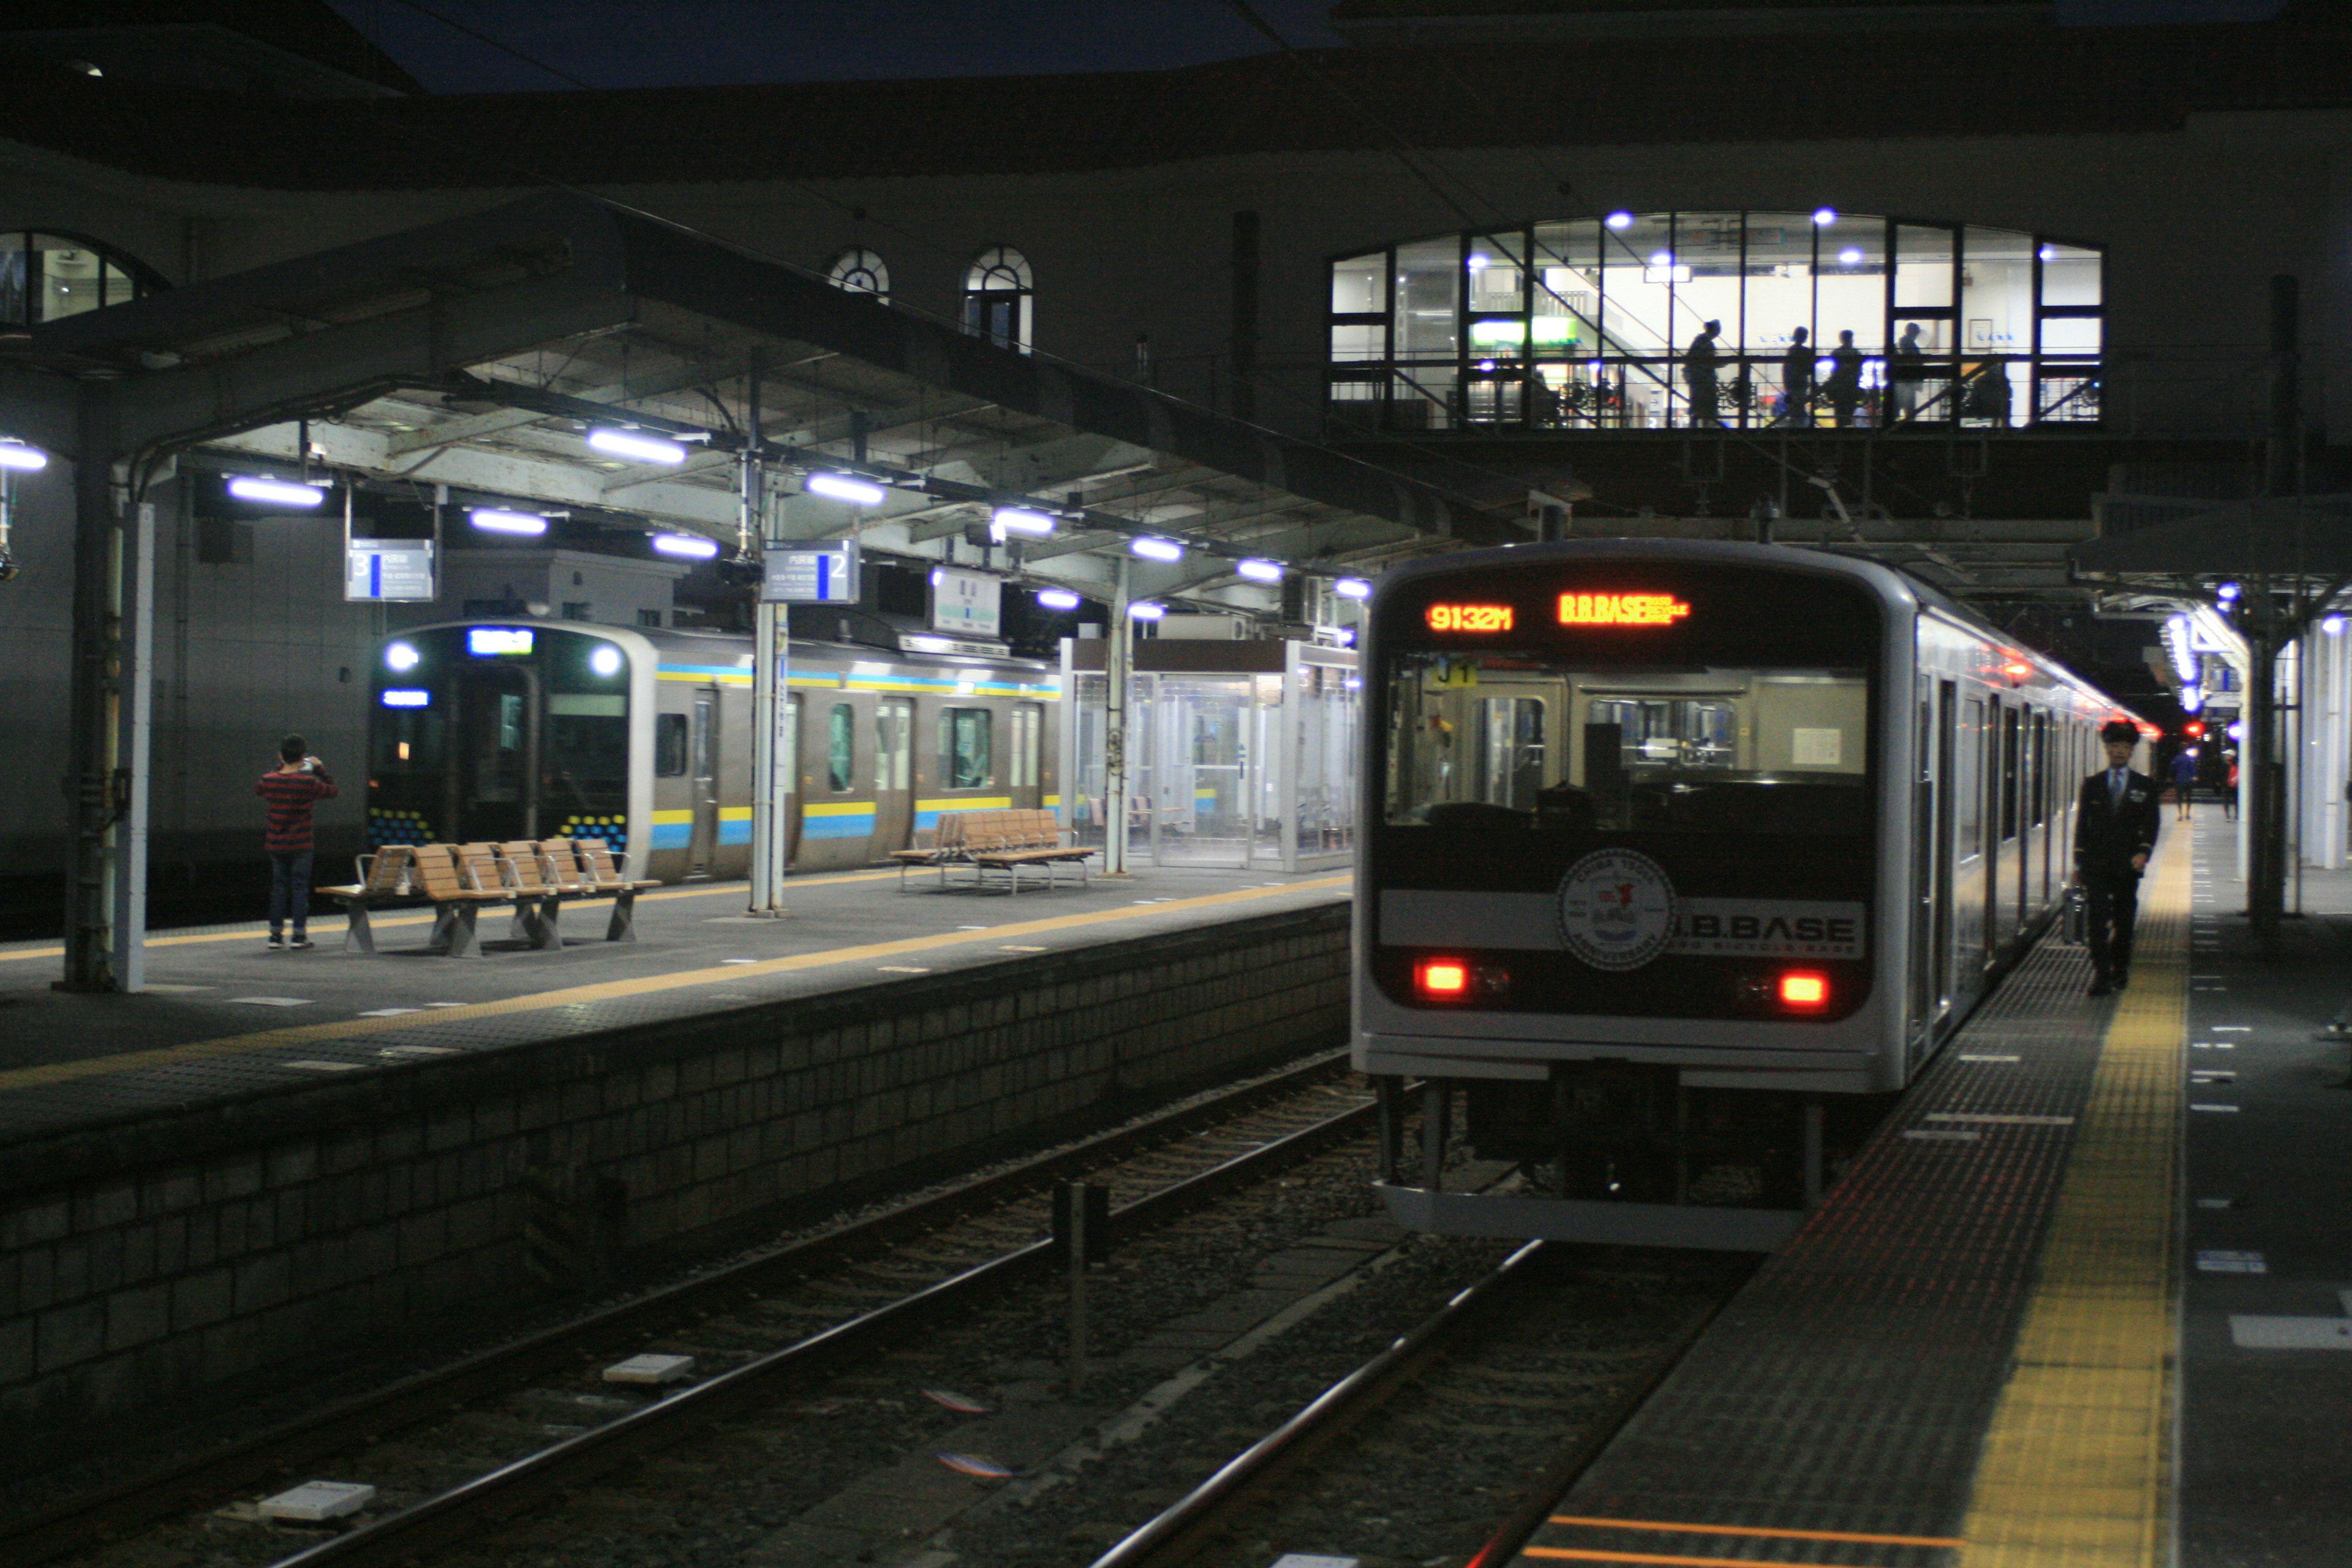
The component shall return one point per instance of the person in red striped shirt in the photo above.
(298, 783)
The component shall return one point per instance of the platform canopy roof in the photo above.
(478, 352)
(2279, 537)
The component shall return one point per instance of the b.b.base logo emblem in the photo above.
(1617, 909)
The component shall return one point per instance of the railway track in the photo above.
(758, 1328)
(1453, 1443)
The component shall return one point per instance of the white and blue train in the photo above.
(505, 730)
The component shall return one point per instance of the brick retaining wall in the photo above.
(147, 1264)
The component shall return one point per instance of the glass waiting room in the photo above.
(1739, 319)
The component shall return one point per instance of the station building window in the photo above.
(860, 271)
(997, 296)
(1591, 324)
(48, 277)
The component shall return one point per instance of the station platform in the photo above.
(2081, 1301)
(224, 1015)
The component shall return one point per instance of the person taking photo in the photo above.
(292, 788)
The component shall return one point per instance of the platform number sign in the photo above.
(817, 576)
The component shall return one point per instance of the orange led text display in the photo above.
(1469, 618)
(1621, 609)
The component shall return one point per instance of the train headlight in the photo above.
(1804, 990)
(605, 659)
(401, 657)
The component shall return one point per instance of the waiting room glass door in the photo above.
(1200, 772)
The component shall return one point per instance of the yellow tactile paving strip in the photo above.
(644, 985)
(2076, 1465)
(326, 924)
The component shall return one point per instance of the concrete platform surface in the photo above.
(2266, 1329)
(223, 1014)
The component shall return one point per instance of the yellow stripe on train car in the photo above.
(985, 803)
(838, 808)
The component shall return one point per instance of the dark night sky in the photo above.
(671, 43)
(667, 43)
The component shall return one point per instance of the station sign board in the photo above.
(966, 604)
(824, 575)
(388, 571)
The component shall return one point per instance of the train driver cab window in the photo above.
(840, 747)
(966, 740)
(1507, 740)
(670, 745)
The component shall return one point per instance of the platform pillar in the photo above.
(110, 704)
(1118, 658)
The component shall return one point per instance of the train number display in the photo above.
(1469, 618)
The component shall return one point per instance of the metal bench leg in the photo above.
(623, 926)
(445, 919)
(547, 924)
(465, 941)
(357, 932)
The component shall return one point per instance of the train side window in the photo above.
(966, 740)
(840, 747)
(670, 745)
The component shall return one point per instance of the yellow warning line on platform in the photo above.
(2075, 1466)
(619, 990)
(247, 933)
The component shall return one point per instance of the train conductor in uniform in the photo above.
(2115, 833)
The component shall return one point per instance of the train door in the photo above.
(1924, 819)
(1026, 771)
(788, 763)
(894, 776)
(1947, 761)
(495, 785)
(702, 775)
(1997, 828)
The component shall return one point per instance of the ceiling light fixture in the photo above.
(843, 486)
(637, 444)
(276, 492)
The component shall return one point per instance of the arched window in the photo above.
(1715, 319)
(48, 277)
(859, 272)
(996, 298)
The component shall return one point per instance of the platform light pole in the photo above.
(1119, 657)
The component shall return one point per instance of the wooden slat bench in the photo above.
(444, 875)
(383, 876)
(1009, 842)
(598, 871)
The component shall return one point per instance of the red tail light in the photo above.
(1803, 991)
(1441, 979)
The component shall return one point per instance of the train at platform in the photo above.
(493, 731)
(1685, 859)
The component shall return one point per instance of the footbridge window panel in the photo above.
(48, 277)
(860, 271)
(1747, 319)
(998, 293)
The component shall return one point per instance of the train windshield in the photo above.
(1513, 739)
(1635, 697)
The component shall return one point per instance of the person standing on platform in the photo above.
(1845, 384)
(1797, 380)
(2184, 781)
(292, 788)
(1699, 364)
(2116, 825)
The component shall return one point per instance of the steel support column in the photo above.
(1119, 657)
(93, 730)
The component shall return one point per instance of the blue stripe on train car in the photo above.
(735, 832)
(673, 835)
(855, 825)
